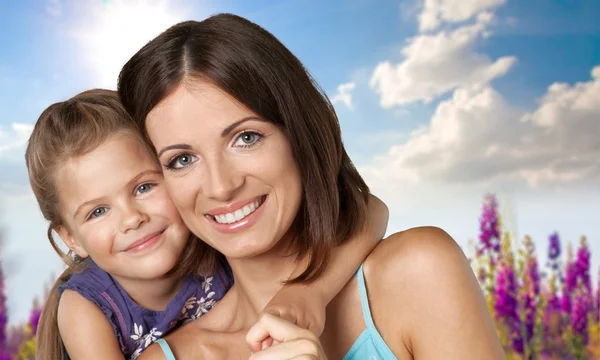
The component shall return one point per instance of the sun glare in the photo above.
(112, 31)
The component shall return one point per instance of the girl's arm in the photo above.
(85, 330)
(301, 304)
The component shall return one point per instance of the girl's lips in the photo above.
(241, 225)
(145, 242)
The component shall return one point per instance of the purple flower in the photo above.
(554, 252)
(597, 317)
(568, 287)
(580, 313)
(530, 296)
(489, 229)
(34, 319)
(4, 355)
(16, 337)
(3, 314)
(506, 306)
(553, 300)
(570, 276)
(582, 265)
(529, 302)
(530, 292)
(554, 248)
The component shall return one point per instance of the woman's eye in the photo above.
(99, 211)
(181, 161)
(143, 188)
(248, 139)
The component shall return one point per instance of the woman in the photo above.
(235, 120)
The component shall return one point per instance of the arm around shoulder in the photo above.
(427, 301)
(85, 330)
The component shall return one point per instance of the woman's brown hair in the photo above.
(250, 64)
(66, 130)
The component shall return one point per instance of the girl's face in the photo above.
(116, 209)
(230, 173)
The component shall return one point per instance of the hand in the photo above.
(298, 304)
(289, 340)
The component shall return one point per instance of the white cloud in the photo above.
(437, 63)
(54, 8)
(344, 95)
(15, 138)
(109, 33)
(453, 11)
(477, 137)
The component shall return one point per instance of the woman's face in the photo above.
(231, 174)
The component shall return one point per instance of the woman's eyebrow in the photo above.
(230, 128)
(224, 133)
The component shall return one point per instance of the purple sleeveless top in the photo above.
(135, 327)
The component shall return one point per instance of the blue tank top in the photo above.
(136, 327)
(370, 344)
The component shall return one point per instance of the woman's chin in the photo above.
(247, 251)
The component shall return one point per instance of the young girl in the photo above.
(134, 270)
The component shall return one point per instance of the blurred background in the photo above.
(481, 117)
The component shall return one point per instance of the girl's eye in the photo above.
(97, 212)
(143, 188)
(181, 161)
(248, 139)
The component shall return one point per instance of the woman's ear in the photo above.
(70, 241)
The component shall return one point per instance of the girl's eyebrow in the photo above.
(132, 181)
(84, 205)
(174, 147)
(142, 174)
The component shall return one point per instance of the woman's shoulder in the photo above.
(423, 291)
(419, 251)
(416, 262)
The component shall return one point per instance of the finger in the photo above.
(261, 344)
(266, 343)
(291, 349)
(275, 327)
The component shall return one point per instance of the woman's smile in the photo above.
(238, 216)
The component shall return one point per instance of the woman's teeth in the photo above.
(238, 214)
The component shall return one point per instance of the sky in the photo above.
(440, 102)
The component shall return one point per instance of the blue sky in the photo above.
(440, 101)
